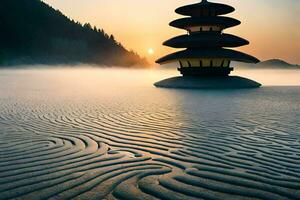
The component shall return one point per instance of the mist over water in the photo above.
(90, 77)
(269, 77)
(92, 133)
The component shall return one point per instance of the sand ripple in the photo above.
(104, 150)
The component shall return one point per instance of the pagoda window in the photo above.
(180, 63)
(189, 63)
(194, 63)
(218, 62)
(184, 63)
(206, 28)
(206, 62)
(225, 63)
(216, 28)
(195, 29)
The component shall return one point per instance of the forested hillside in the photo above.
(32, 32)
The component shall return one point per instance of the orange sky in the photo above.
(271, 26)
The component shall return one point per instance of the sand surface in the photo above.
(72, 134)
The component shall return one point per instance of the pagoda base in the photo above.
(205, 71)
(191, 82)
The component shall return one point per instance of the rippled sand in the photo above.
(101, 134)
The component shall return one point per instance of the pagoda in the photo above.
(206, 51)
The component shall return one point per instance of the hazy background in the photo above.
(271, 26)
(87, 78)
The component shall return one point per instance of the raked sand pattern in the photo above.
(197, 145)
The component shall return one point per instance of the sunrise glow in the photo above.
(150, 51)
(259, 20)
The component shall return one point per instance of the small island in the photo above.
(205, 63)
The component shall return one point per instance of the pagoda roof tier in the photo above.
(198, 8)
(208, 54)
(202, 40)
(225, 22)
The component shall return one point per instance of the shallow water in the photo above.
(109, 134)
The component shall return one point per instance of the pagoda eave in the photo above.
(208, 54)
(194, 9)
(206, 40)
(225, 22)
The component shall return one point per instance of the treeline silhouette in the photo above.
(32, 32)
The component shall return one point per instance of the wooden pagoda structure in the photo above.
(206, 47)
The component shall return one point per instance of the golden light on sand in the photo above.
(150, 51)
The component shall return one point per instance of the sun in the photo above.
(150, 51)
